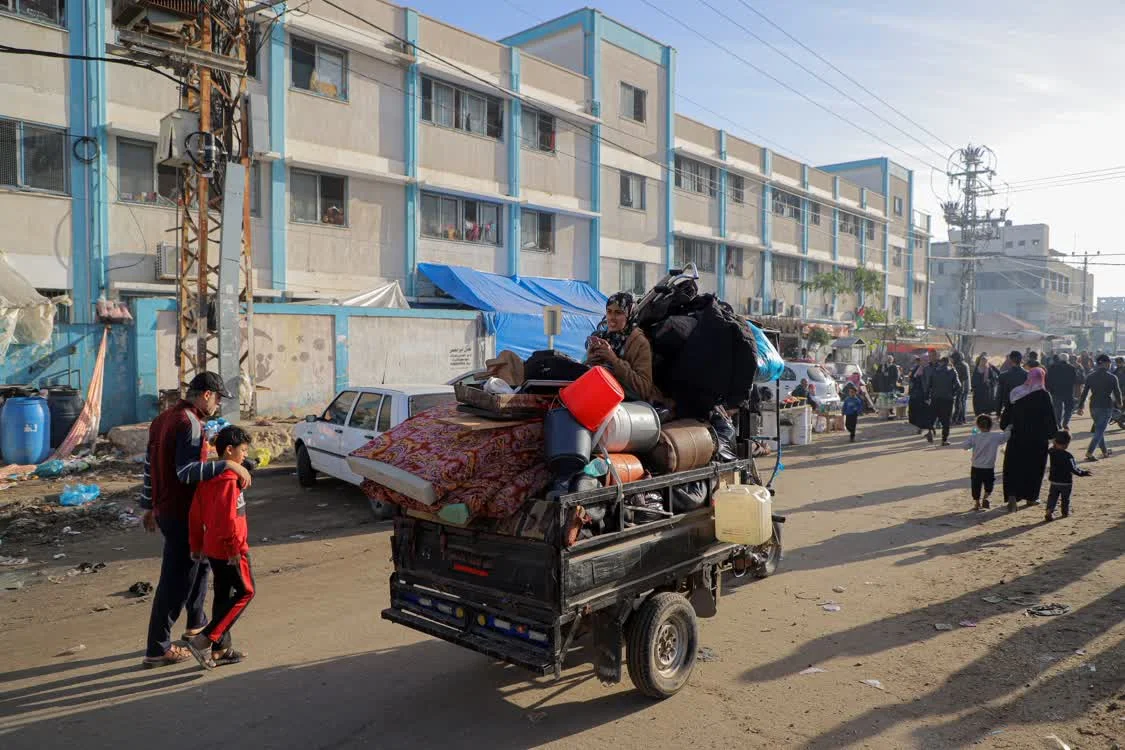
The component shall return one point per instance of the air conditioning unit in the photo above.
(796, 311)
(167, 261)
(755, 305)
(163, 17)
(779, 307)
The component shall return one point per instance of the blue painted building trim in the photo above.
(515, 139)
(412, 124)
(633, 41)
(668, 59)
(849, 165)
(340, 325)
(804, 240)
(721, 264)
(548, 28)
(835, 230)
(592, 61)
(861, 298)
(887, 235)
(279, 177)
(767, 233)
(910, 244)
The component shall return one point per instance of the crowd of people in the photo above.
(1026, 405)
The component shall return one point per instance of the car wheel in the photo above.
(306, 474)
(662, 639)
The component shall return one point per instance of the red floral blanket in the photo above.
(491, 471)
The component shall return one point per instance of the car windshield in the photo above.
(428, 401)
(818, 375)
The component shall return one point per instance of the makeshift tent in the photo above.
(26, 316)
(513, 306)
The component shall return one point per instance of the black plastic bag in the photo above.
(692, 496)
(724, 428)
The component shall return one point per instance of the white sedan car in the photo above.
(354, 418)
(827, 391)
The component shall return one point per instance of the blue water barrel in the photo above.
(25, 430)
(65, 405)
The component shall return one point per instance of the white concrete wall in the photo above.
(571, 258)
(414, 350)
(565, 48)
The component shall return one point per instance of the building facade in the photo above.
(1019, 274)
(554, 152)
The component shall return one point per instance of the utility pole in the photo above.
(971, 170)
(206, 47)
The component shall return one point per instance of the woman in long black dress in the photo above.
(985, 379)
(918, 411)
(1031, 415)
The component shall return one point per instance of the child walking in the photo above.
(985, 444)
(852, 408)
(217, 529)
(1063, 470)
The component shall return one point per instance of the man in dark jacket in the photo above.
(962, 370)
(945, 389)
(1061, 379)
(1014, 376)
(1105, 395)
(886, 385)
(176, 460)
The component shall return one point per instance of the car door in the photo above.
(361, 429)
(789, 381)
(324, 443)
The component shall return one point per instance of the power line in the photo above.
(1020, 183)
(820, 57)
(821, 78)
(786, 86)
(7, 49)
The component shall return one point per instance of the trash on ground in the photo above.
(262, 456)
(873, 683)
(1080, 652)
(70, 532)
(141, 588)
(831, 607)
(839, 589)
(118, 549)
(102, 608)
(812, 670)
(322, 505)
(967, 624)
(806, 597)
(536, 716)
(14, 586)
(996, 731)
(1058, 743)
(942, 626)
(79, 494)
(74, 650)
(707, 654)
(56, 579)
(1049, 610)
(12, 561)
(296, 536)
(59, 556)
(1091, 667)
(992, 599)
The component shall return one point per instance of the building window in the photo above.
(33, 157)
(448, 218)
(695, 176)
(787, 270)
(48, 11)
(319, 68)
(537, 130)
(919, 288)
(898, 206)
(633, 102)
(318, 199)
(1008, 243)
(941, 269)
(897, 256)
(814, 213)
(702, 254)
(849, 224)
(256, 189)
(461, 109)
(537, 232)
(632, 191)
(734, 261)
(737, 188)
(141, 180)
(869, 229)
(632, 277)
(786, 204)
(1022, 243)
(253, 47)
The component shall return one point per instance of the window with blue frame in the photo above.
(33, 157)
(47, 11)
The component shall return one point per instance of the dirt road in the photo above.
(887, 520)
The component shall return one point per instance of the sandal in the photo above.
(200, 647)
(190, 633)
(224, 658)
(174, 655)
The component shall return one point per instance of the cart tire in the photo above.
(306, 474)
(772, 548)
(661, 646)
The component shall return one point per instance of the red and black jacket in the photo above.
(217, 522)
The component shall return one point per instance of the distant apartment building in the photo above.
(554, 152)
(1018, 274)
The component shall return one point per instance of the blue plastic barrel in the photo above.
(25, 430)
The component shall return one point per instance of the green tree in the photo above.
(819, 337)
(905, 329)
(829, 282)
(865, 281)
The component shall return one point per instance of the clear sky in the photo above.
(1041, 83)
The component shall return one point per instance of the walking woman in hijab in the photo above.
(918, 411)
(985, 379)
(1031, 416)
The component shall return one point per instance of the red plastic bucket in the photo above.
(593, 397)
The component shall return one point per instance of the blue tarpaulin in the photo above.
(513, 306)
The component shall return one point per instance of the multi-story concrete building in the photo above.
(554, 152)
(1018, 274)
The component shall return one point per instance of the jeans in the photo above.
(1101, 415)
(183, 581)
(850, 421)
(959, 407)
(1064, 408)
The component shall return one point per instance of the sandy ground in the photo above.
(887, 519)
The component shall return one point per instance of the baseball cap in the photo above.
(1103, 358)
(209, 381)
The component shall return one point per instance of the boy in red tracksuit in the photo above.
(217, 530)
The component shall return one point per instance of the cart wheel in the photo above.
(662, 642)
(772, 548)
(306, 474)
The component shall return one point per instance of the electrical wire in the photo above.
(1051, 178)
(8, 49)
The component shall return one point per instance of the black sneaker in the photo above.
(1032, 502)
(985, 504)
(945, 442)
(1048, 518)
(1066, 514)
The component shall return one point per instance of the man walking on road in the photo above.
(945, 388)
(1061, 380)
(1010, 378)
(1105, 394)
(962, 370)
(176, 460)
